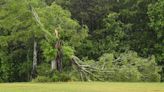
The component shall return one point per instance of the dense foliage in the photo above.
(81, 40)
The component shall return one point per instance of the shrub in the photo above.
(42, 79)
(43, 69)
(64, 77)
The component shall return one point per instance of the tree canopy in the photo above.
(81, 40)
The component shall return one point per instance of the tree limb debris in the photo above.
(88, 70)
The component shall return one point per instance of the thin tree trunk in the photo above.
(34, 60)
(28, 60)
(53, 65)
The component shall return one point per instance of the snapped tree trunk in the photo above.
(59, 55)
(34, 65)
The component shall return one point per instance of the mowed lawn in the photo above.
(82, 87)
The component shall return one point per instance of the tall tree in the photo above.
(156, 16)
(17, 39)
(107, 39)
(19, 26)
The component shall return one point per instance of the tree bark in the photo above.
(59, 55)
(34, 65)
(53, 65)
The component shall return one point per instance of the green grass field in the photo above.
(82, 87)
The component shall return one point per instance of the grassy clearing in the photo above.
(82, 87)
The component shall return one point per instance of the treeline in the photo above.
(81, 40)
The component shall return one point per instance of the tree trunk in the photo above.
(34, 60)
(59, 55)
(53, 65)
